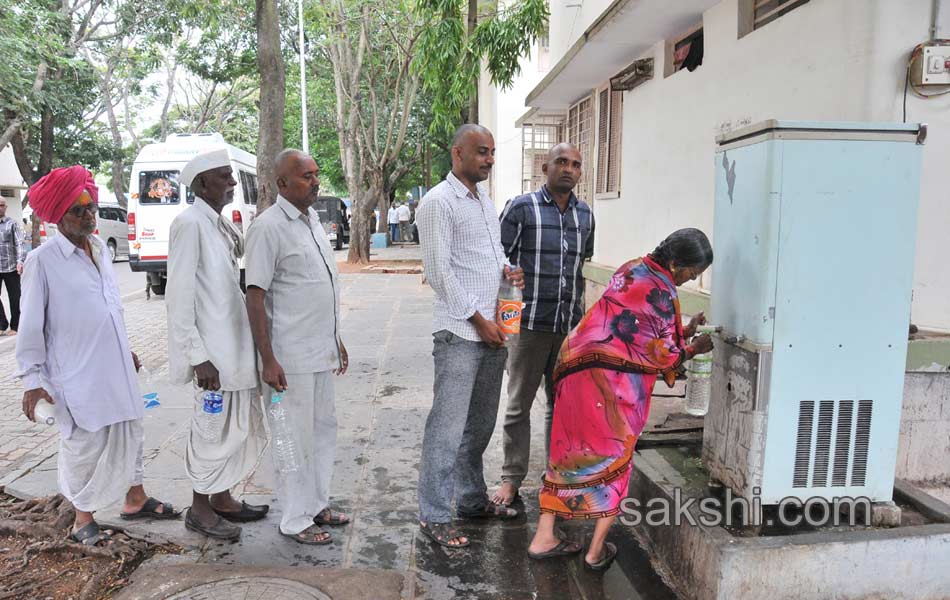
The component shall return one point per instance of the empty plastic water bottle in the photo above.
(44, 413)
(282, 439)
(149, 397)
(209, 418)
(698, 384)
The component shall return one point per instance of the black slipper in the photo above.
(222, 530)
(248, 513)
(148, 511)
(563, 548)
(610, 553)
(489, 511)
(89, 535)
(303, 538)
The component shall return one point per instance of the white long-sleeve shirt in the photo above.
(461, 253)
(207, 317)
(72, 339)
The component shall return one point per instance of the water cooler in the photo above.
(815, 226)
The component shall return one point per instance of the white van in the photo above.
(156, 198)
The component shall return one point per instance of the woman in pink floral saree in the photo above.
(603, 383)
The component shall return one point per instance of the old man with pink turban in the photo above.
(73, 354)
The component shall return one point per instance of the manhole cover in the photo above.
(251, 588)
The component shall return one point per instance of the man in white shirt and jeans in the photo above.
(73, 352)
(464, 263)
(293, 301)
(404, 215)
(209, 344)
(392, 219)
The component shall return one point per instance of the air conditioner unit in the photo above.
(814, 236)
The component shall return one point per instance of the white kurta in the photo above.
(207, 320)
(72, 338)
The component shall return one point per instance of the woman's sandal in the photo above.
(330, 517)
(443, 534)
(563, 548)
(491, 510)
(90, 535)
(610, 553)
(311, 536)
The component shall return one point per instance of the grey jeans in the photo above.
(532, 357)
(464, 409)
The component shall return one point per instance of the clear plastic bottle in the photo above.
(209, 418)
(509, 309)
(698, 384)
(282, 439)
(149, 397)
(44, 413)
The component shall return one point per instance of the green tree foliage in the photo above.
(448, 55)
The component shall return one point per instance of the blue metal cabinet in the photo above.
(814, 232)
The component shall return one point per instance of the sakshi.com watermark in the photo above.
(733, 511)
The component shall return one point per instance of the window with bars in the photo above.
(757, 13)
(536, 140)
(609, 124)
(579, 133)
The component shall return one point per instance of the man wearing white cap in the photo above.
(209, 343)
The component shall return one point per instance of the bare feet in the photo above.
(505, 494)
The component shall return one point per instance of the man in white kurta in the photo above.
(209, 344)
(73, 352)
(294, 306)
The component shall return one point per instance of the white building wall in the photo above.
(10, 178)
(569, 20)
(835, 60)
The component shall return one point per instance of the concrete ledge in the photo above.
(599, 274)
(708, 563)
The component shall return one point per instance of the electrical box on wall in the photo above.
(931, 66)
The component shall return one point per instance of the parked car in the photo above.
(332, 211)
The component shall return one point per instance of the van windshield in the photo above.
(161, 187)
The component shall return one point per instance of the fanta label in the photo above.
(509, 316)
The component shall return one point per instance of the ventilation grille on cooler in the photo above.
(831, 448)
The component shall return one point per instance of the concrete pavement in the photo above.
(382, 404)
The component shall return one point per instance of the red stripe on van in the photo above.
(165, 257)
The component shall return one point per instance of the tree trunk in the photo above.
(271, 133)
(473, 99)
(14, 124)
(118, 164)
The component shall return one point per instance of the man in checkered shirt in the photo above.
(549, 233)
(464, 263)
(12, 255)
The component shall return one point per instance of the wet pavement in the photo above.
(381, 407)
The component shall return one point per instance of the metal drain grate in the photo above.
(268, 588)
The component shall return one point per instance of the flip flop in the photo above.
(610, 553)
(489, 511)
(89, 535)
(563, 548)
(442, 533)
(148, 511)
(248, 513)
(330, 517)
(303, 538)
(222, 530)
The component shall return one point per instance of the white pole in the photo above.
(303, 83)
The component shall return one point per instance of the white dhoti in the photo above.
(215, 467)
(303, 494)
(97, 468)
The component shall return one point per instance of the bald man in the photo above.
(464, 263)
(549, 233)
(293, 303)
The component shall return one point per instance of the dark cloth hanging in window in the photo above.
(694, 57)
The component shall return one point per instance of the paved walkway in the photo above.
(381, 404)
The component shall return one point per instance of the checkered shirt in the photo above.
(461, 254)
(12, 245)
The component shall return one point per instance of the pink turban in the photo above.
(55, 192)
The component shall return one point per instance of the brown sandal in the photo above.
(330, 517)
(443, 534)
(309, 536)
(491, 510)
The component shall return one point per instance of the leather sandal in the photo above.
(330, 517)
(309, 536)
(443, 534)
(490, 510)
(610, 553)
(149, 510)
(90, 535)
(563, 548)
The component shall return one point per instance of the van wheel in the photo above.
(159, 288)
(112, 250)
